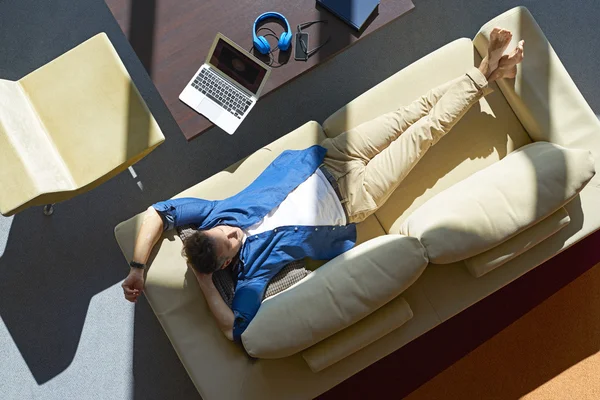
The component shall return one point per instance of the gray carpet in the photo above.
(65, 330)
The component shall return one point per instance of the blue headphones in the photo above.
(261, 44)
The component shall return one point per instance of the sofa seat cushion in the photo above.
(335, 296)
(487, 261)
(498, 202)
(485, 135)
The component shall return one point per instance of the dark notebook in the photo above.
(353, 12)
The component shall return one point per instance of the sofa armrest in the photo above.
(543, 95)
(335, 296)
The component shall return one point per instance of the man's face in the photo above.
(227, 241)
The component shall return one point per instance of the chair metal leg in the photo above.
(49, 209)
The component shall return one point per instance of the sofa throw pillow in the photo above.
(496, 203)
(345, 290)
(224, 279)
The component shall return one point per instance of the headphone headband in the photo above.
(271, 14)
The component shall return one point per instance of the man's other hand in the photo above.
(133, 285)
(201, 278)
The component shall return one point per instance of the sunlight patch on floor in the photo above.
(580, 381)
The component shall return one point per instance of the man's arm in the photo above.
(159, 217)
(220, 310)
(150, 232)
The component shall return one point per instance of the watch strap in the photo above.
(135, 264)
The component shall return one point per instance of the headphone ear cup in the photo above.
(262, 45)
(285, 40)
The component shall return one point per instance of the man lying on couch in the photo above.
(306, 203)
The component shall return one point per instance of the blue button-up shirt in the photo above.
(263, 255)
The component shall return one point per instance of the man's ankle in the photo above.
(484, 68)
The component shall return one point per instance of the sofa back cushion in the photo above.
(498, 202)
(335, 296)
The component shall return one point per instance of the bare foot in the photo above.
(499, 40)
(507, 66)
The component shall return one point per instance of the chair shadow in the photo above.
(141, 37)
(47, 285)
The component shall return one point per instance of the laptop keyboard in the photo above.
(214, 87)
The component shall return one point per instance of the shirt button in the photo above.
(316, 229)
(275, 230)
(296, 229)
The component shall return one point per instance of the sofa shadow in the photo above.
(152, 350)
(438, 349)
(151, 343)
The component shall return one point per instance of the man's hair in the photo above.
(200, 252)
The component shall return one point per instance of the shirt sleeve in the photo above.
(184, 211)
(246, 302)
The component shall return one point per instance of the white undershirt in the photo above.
(312, 203)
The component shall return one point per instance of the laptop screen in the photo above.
(237, 66)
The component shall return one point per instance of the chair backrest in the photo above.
(92, 110)
(69, 126)
(29, 162)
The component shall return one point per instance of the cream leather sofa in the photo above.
(541, 105)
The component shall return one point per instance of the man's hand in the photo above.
(203, 279)
(149, 234)
(133, 285)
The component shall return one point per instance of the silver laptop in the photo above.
(227, 86)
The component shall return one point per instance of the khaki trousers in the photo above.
(369, 161)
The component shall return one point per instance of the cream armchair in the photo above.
(70, 126)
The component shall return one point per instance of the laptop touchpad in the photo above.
(210, 109)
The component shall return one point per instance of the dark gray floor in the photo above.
(65, 331)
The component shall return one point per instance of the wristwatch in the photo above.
(135, 264)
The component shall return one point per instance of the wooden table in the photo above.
(172, 39)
